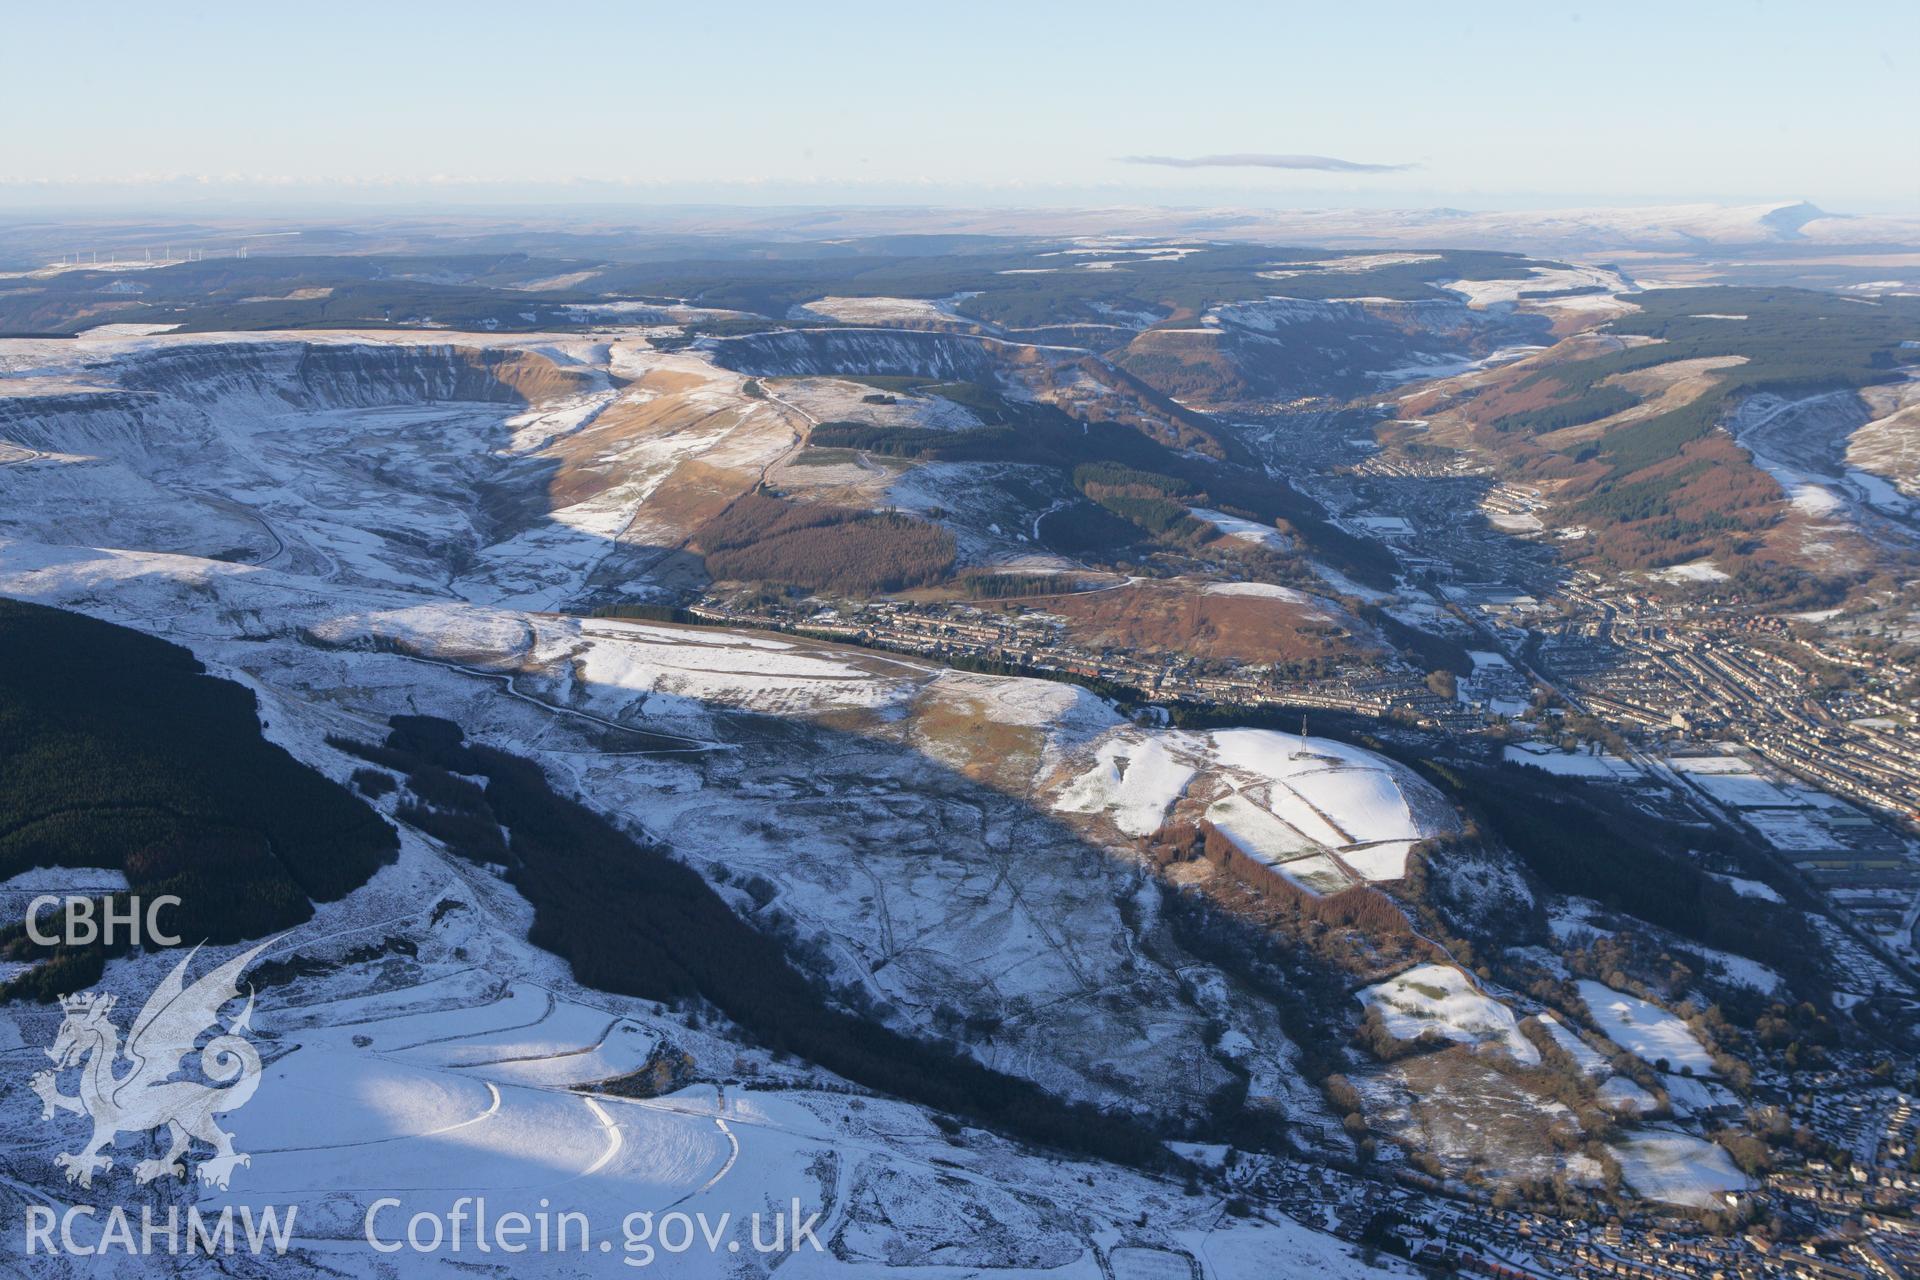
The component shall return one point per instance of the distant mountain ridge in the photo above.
(1567, 231)
(1576, 230)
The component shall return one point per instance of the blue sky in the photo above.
(1491, 104)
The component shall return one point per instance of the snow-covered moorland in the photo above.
(358, 525)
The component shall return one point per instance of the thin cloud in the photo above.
(1260, 160)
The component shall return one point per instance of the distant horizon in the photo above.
(586, 199)
(32, 239)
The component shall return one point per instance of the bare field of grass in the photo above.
(1180, 618)
(1475, 1120)
(962, 732)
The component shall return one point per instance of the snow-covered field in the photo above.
(1676, 1168)
(1441, 999)
(1691, 1095)
(1264, 591)
(1698, 571)
(1601, 284)
(1624, 1096)
(903, 311)
(1570, 764)
(1246, 530)
(1732, 782)
(1325, 814)
(1584, 1055)
(1750, 888)
(1645, 1030)
(1136, 780)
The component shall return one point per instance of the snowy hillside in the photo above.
(348, 546)
(467, 1064)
